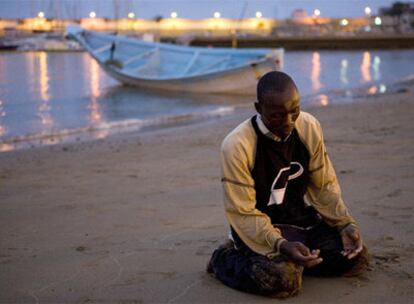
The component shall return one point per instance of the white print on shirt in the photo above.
(280, 183)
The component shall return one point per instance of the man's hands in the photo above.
(352, 241)
(300, 254)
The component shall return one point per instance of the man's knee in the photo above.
(219, 256)
(360, 264)
(254, 273)
(276, 277)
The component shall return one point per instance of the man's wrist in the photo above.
(279, 242)
(342, 228)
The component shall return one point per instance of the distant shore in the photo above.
(314, 42)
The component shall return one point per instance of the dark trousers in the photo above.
(248, 271)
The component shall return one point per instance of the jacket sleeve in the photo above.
(251, 225)
(324, 192)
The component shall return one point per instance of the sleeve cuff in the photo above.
(278, 243)
(342, 228)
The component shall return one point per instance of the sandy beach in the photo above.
(135, 218)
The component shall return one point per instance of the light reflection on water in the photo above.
(366, 67)
(343, 72)
(333, 72)
(95, 116)
(323, 99)
(44, 108)
(316, 72)
(376, 68)
(48, 97)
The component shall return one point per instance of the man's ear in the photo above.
(257, 107)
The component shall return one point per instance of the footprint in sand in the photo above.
(391, 264)
(395, 193)
(370, 213)
(346, 171)
(386, 258)
(204, 250)
(5, 258)
(100, 171)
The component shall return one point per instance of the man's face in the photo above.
(280, 111)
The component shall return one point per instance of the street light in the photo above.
(131, 15)
(92, 14)
(259, 15)
(316, 13)
(174, 15)
(368, 11)
(344, 22)
(217, 15)
(377, 21)
(41, 15)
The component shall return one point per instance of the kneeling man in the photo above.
(282, 200)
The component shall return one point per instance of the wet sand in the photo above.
(134, 219)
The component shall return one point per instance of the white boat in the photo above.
(160, 66)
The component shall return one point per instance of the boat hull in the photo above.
(238, 82)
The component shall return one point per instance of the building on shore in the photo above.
(399, 17)
(300, 24)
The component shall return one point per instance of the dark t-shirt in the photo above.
(281, 178)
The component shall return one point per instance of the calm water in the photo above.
(46, 98)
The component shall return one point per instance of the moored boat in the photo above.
(161, 66)
(6, 45)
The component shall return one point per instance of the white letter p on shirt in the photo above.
(280, 183)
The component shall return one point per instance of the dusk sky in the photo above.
(195, 9)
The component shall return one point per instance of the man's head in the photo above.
(278, 102)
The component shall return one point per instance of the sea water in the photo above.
(48, 98)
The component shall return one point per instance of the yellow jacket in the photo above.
(253, 226)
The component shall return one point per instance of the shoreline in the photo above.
(142, 126)
(135, 218)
